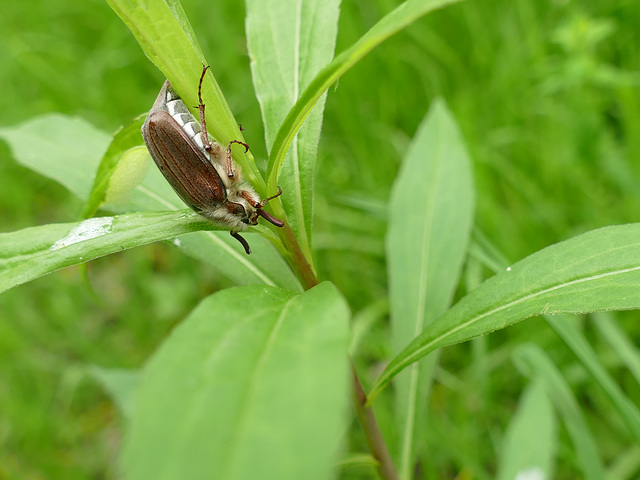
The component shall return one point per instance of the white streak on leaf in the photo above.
(91, 228)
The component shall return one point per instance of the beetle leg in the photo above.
(229, 160)
(244, 243)
(205, 135)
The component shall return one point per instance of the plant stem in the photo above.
(297, 259)
(375, 441)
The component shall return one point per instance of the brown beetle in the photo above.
(200, 171)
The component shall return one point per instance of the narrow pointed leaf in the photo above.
(289, 42)
(430, 217)
(33, 252)
(598, 270)
(252, 385)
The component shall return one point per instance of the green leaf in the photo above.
(65, 149)
(532, 361)
(252, 385)
(430, 218)
(530, 443)
(33, 252)
(289, 42)
(598, 270)
(390, 24)
(166, 37)
(622, 404)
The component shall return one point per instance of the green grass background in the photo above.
(547, 94)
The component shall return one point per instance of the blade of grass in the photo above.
(625, 407)
(626, 464)
(613, 333)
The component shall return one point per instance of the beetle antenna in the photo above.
(270, 218)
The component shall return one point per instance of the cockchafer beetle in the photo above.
(201, 172)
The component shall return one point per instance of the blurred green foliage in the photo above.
(547, 96)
